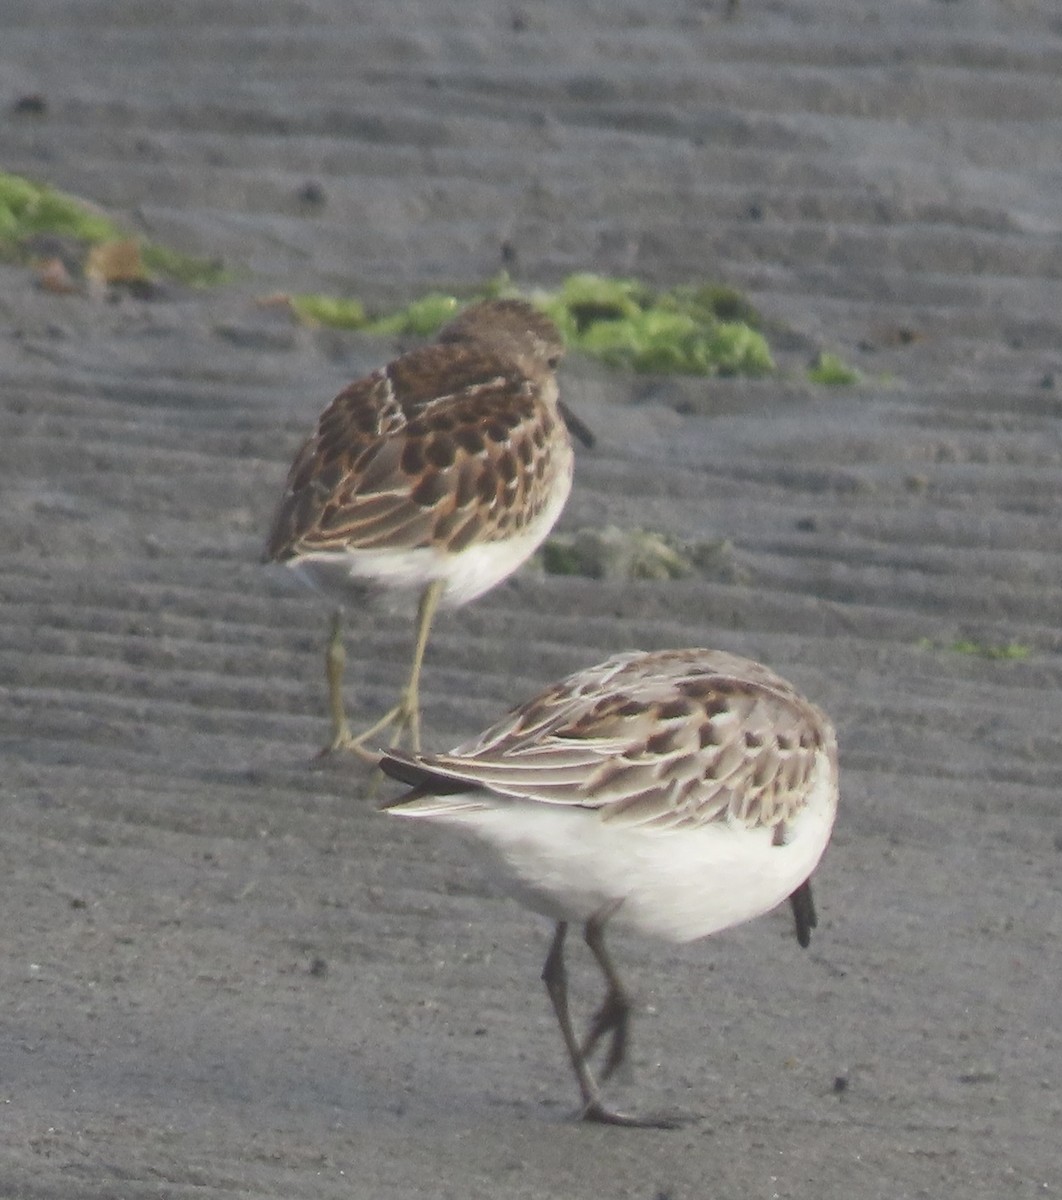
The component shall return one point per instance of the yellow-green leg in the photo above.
(406, 713)
(335, 661)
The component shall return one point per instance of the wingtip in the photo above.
(804, 915)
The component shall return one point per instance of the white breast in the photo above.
(468, 573)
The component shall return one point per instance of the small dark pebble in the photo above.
(312, 192)
(1047, 380)
(318, 967)
(508, 253)
(754, 212)
(33, 105)
(807, 525)
(840, 1084)
(139, 289)
(77, 902)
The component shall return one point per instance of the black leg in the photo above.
(615, 1012)
(555, 977)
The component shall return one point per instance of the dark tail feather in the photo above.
(415, 774)
(804, 912)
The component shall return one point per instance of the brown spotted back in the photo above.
(675, 738)
(451, 444)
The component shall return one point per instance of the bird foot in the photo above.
(346, 744)
(343, 740)
(597, 1114)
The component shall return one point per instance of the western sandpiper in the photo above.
(676, 793)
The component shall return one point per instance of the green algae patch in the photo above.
(185, 268)
(629, 325)
(333, 311)
(28, 208)
(30, 211)
(1002, 652)
(613, 553)
(422, 318)
(643, 554)
(1008, 652)
(831, 370)
(705, 330)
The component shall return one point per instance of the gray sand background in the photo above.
(222, 973)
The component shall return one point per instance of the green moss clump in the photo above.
(29, 210)
(1008, 652)
(724, 303)
(630, 325)
(560, 557)
(1013, 651)
(197, 272)
(706, 330)
(832, 371)
(614, 553)
(329, 310)
(423, 317)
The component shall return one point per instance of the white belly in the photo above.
(679, 884)
(468, 573)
